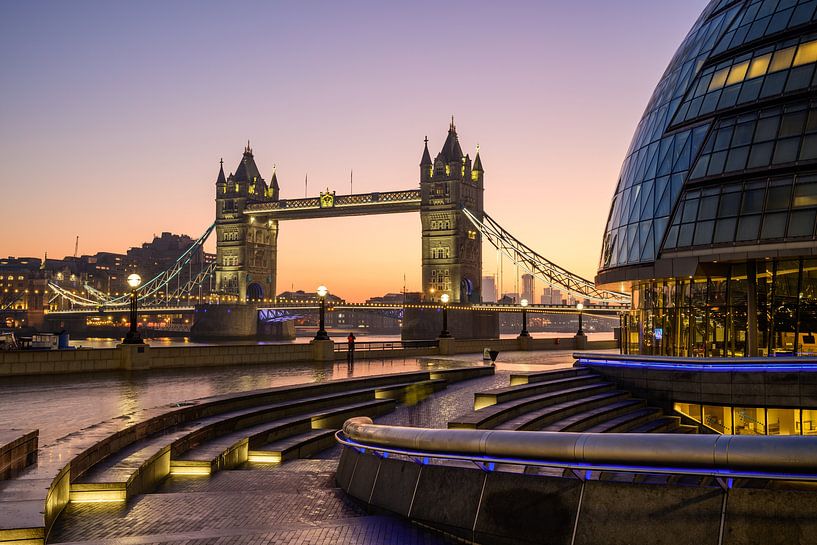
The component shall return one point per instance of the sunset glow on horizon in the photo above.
(115, 116)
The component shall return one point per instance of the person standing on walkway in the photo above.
(350, 355)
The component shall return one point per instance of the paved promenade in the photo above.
(297, 502)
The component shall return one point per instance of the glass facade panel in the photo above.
(783, 421)
(718, 419)
(749, 421)
(809, 421)
(693, 411)
(753, 309)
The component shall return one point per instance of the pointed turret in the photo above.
(247, 169)
(451, 152)
(221, 178)
(426, 160)
(478, 163)
(273, 184)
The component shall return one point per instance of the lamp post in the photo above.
(133, 337)
(524, 332)
(444, 334)
(579, 307)
(322, 335)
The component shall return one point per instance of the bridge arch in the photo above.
(255, 291)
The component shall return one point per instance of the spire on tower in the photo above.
(451, 152)
(426, 160)
(221, 178)
(478, 162)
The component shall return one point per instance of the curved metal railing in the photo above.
(722, 456)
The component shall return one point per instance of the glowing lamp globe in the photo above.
(322, 291)
(134, 280)
(523, 302)
(579, 306)
(444, 298)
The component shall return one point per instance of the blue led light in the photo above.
(787, 367)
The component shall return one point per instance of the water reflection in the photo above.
(58, 405)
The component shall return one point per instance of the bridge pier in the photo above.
(224, 321)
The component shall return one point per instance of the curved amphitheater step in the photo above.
(567, 400)
(119, 458)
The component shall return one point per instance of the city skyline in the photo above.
(125, 134)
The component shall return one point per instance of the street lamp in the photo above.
(444, 334)
(133, 337)
(579, 307)
(524, 332)
(322, 335)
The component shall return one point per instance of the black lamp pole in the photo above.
(133, 336)
(322, 335)
(524, 332)
(581, 330)
(444, 333)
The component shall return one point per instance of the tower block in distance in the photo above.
(452, 247)
(246, 249)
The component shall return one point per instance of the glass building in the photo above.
(712, 224)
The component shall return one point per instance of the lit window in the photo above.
(738, 73)
(759, 66)
(719, 79)
(447, 170)
(782, 59)
(806, 53)
(474, 176)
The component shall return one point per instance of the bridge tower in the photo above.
(452, 247)
(246, 248)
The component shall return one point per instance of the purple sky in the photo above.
(114, 115)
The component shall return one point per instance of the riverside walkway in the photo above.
(296, 502)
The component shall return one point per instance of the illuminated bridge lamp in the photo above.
(133, 337)
(524, 332)
(321, 335)
(580, 307)
(444, 334)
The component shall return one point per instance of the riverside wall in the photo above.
(145, 357)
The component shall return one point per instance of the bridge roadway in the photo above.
(600, 310)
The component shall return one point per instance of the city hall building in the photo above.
(712, 224)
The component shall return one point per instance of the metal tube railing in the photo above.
(788, 457)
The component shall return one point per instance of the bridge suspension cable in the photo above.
(539, 266)
(149, 289)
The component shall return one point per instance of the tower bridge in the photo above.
(249, 209)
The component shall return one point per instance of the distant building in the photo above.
(528, 287)
(551, 296)
(22, 291)
(509, 299)
(489, 289)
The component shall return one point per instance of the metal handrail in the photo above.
(742, 457)
(385, 345)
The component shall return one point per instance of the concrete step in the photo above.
(414, 391)
(584, 420)
(142, 465)
(542, 376)
(232, 450)
(665, 424)
(503, 395)
(626, 421)
(683, 428)
(537, 419)
(494, 415)
(292, 448)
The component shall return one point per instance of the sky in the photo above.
(114, 115)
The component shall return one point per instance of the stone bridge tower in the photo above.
(246, 248)
(452, 247)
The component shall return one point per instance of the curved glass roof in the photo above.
(732, 108)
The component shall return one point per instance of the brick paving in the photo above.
(296, 503)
